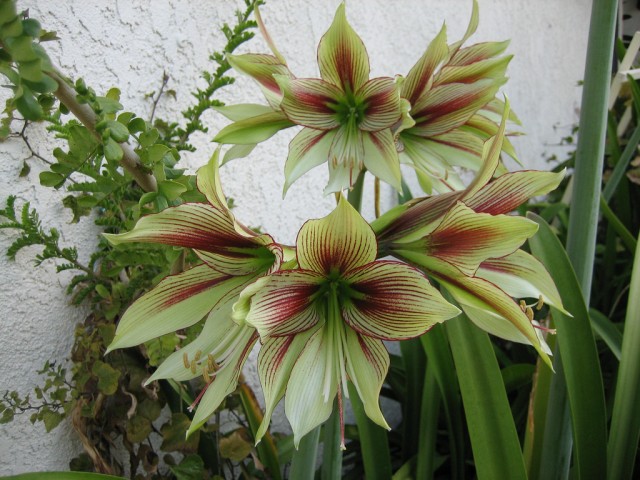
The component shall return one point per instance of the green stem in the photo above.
(429, 412)
(624, 234)
(355, 194)
(373, 441)
(332, 440)
(303, 465)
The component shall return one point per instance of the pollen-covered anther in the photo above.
(193, 366)
(205, 374)
(185, 360)
(523, 306)
(529, 313)
(540, 303)
(198, 355)
(212, 365)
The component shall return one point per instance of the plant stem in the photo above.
(303, 465)
(130, 160)
(332, 453)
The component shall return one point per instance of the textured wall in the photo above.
(129, 43)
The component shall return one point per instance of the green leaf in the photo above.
(28, 106)
(112, 151)
(137, 428)
(107, 106)
(51, 179)
(148, 138)
(607, 331)
(62, 476)
(51, 419)
(171, 189)
(137, 125)
(190, 468)
(494, 439)
(173, 435)
(625, 421)
(159, 349)
(31, 27)
(119, 132)
(579, 355)
(235, 447)
(107, 377)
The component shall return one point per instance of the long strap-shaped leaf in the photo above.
(625, 421)
(581, 366)
(494, 440)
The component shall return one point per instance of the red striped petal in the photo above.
(383, 105)
(310, 102)
(393, 301)
(337, 243)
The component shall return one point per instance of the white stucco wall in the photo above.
(129, 43)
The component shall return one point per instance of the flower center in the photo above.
(350, 110)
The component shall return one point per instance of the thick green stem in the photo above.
(303, 465)
(332, 440)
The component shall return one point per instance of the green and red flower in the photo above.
(324, 323)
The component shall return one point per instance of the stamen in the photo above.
(523, 305)
(205, 374)
(540, 303)
(198, 398)
(552, 331)
(193, 366)
(529, 313)
(341, 414)
(185, 360)
(198, 355)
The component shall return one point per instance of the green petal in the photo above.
(339, 242)
(276, 360)
(281, 303)
(381, 157)
(367, 366)
(310, 102)
(496, 325)
(254, 129)
(342, 57)
(492, 68)
(471, 29)
(208, 182)
(225, 380)
(346, 158)
(509, 191)
(176, 302)
(522, 276)
(383, 104)
(450, 106)
(420, 77)
(218, 332)
(313, 385)
(478, 293)
(393, 301)
(478, 52)
(265, 34)
(466, 238)
(308, 149)
(262, 68)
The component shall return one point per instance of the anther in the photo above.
(193, 366)
(198, 355)
(185, 360)
(523, 305)
(540, 303)
(529, 313)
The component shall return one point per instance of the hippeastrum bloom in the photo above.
(324, 323)
(347, 117)
(452, 95)
(467, 242)
(233, 257)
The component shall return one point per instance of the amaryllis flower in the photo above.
(467, 242)
(452, 95)
(323, 324)
(347, 117)
(233, 257)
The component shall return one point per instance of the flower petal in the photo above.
(342, 56)
(208, 182)
(522, 276)
(493, 68)
(281, 303)
(381, 157)
(511, 190)
(277, 357)
(383, 104)
(466, 238)
(478, 52)
(496, 325)
(450, 106)
(367, 366)
(337, 243)
(346, 158)
(419, 78)
(218, 332)
(308, 149)
(243, 111)
(262, 68)
(225, 380)
(393, 301)
(312, 386)
(176, 302)
(254, 129)
(471, 29)
(478, 293)
(310, 102)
